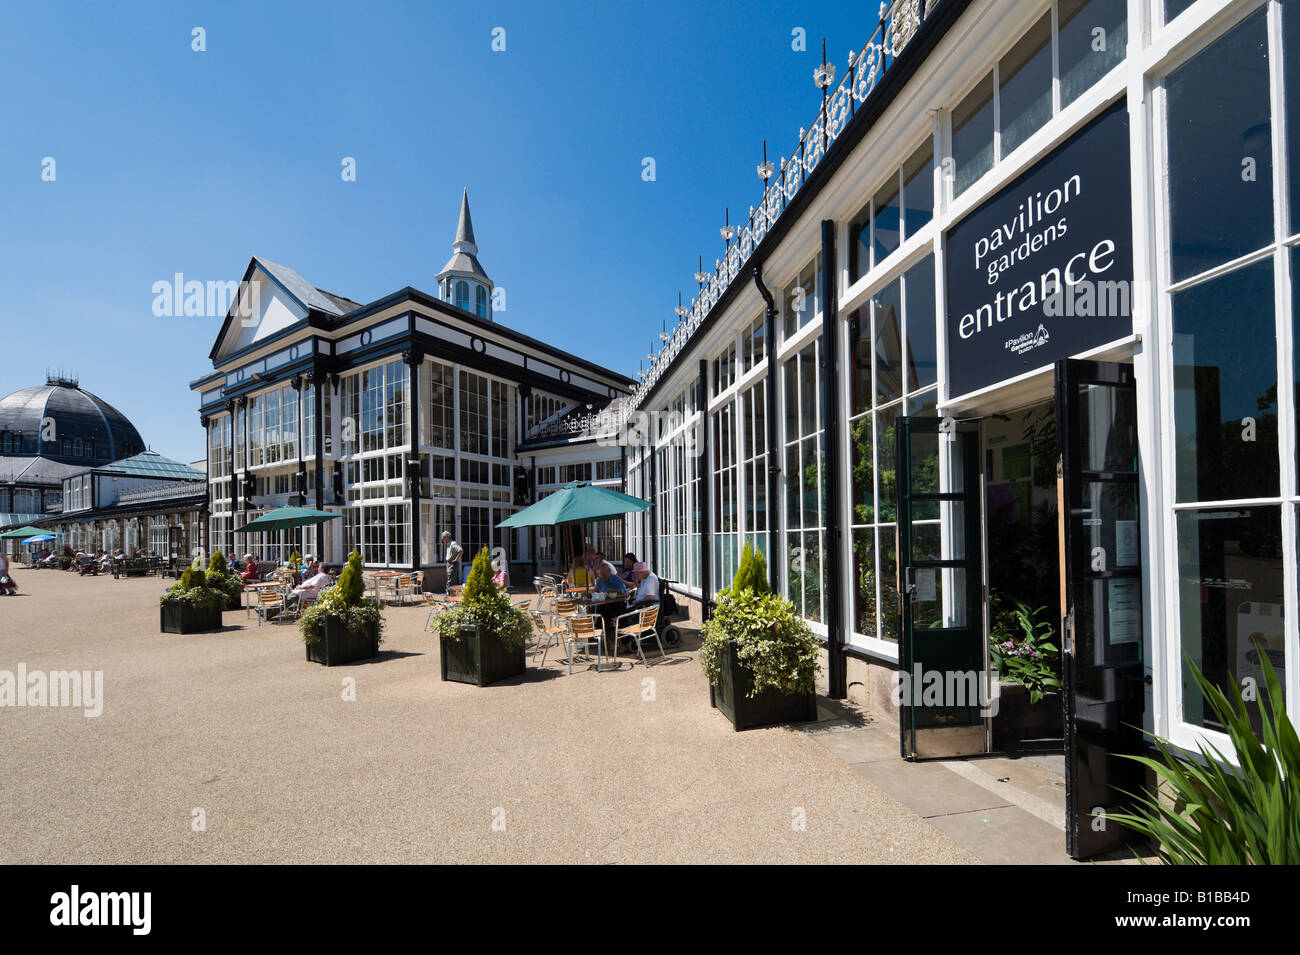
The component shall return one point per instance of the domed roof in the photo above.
(63, 422)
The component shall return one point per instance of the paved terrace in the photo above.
(627, 766)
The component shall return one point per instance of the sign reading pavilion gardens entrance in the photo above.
(1044, 269)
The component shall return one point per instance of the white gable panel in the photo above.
(272, 311)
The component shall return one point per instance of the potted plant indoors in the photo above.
(482, 638)
(190, 605)
(220, 577)
(1027, 663)
(340, 625)
(761, 658)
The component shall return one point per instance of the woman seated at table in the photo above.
(249, 576)
(607, 582)
(579, 575)
(629, 568)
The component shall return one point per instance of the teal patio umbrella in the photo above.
(579, 501)
(21, 533)
(287, 518)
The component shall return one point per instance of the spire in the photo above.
(465, 227)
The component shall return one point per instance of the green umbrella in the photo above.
(287, 518)
(578, 501)
(20, 533)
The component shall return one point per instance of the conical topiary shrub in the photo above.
(217, 565)
(479, 586)
(752, 572)
(482, 638)
(351, 587)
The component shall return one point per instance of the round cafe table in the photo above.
(255, 588)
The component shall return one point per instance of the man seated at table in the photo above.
(647, 590)
(607, 582)
(308, 589)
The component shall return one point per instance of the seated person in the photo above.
(502, 576)
(249, 576)
(308, 590)
(579, 575)
(629, 565)
(648, 586)
(608, 582)
(601, 561)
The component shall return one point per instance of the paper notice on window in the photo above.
(1126, 543)
(926, 587)
(1124, 610)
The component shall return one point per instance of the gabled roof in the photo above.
(308, 295)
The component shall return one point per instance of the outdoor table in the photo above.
(381, 576)
(254, 588)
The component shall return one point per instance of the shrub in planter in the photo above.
(482, 638)
(340, 625)
(760, 656)
(220, 577)
(190, 605)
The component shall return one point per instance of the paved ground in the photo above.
(630, 766)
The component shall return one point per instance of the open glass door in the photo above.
(1101, 599)
(942, 653)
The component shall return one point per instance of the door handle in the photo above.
(909, 583)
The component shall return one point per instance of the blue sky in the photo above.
(169, 160)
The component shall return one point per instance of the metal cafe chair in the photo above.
(548, 634)
(587, 629)
(643, 629)
(403, 587)
(268, 600)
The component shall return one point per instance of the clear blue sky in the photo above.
(168, 160)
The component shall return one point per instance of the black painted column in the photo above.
(413, 358)
(832, 441)
(318, 382)
(704, 478)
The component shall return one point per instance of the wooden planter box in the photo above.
(178, 617)
(340, 645)
(479, 658)
(768, 708)
(1017, 719)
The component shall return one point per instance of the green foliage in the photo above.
(1213, 813)
(771, 639)
(752, 572)
(295, 560)
(1021, 647)
(484, 607)
(217, 565)
(356, 617)
(197, 589)
(479, 586)
(351, 587)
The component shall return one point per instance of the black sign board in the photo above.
(1044, 269)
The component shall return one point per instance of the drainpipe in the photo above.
(773, 453)
(837, 677)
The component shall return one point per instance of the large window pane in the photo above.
(1220, 151)
(1225, 387)
(1230, 573)
(888, 307)
(1291, 63)
(885, 220)
(1025, 85)
(1092, 36)
(918, 189)
(860, 349)
(972, 135)
(922, 352)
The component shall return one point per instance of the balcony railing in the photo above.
(899, 21)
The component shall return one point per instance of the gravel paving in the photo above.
(237, 731)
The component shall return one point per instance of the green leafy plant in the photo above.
(771, 639)
(1206, 811)
(217, 564)
(346, 601)
(193, 589)
(484, 607)
(295, 560)
(1021, 647)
